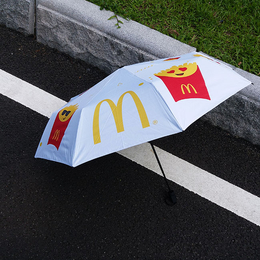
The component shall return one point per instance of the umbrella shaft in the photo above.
(157, 158)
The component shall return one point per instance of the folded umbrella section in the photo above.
(137, 104)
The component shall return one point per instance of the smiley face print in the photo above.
(180, 71)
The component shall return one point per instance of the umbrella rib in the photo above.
(161, 97)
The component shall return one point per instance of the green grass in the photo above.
(226, 29)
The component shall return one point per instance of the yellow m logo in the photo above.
(187, 88)
(118, 116)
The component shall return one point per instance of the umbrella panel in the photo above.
(136, 104)
(124, 111)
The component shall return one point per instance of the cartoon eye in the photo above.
(183, 69)
(171, 71)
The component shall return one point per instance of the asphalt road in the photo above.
(111, 207)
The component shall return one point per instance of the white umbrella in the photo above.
(137, 104)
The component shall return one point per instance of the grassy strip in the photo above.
(226, 29)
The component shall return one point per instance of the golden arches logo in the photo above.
(118, 115)
(188, 86)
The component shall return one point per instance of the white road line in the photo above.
(214, 189)
(28, 95)
(203, 183)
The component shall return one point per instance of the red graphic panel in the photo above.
(169, 59)
(60, 125)
(58, 131)
(192, 86)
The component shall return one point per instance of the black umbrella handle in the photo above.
(172, 196)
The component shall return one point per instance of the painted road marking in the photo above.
(29, 95)
(203, 183)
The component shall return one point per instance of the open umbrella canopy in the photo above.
(137, 104)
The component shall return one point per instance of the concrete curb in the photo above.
(81, 30)
(18, 15)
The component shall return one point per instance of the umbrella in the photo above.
(137, 104)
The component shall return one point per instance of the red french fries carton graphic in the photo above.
(184, 81)
(174, 58)
(60, 125)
